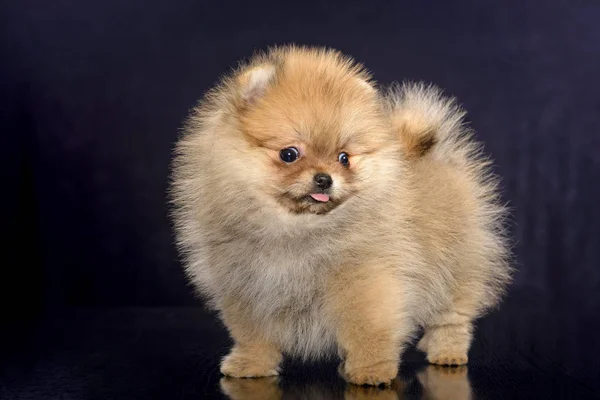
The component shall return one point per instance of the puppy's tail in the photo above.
(424, 119)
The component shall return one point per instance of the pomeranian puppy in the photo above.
(317, 214)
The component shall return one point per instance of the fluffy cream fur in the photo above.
(412, 236)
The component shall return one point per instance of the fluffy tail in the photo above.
(424, 118)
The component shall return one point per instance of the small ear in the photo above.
(254, 83)
(366, 85)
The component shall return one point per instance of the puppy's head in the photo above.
(315, 124)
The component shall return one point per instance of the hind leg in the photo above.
(448, 336)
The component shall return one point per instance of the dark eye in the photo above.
(344, 159)
(289, 154)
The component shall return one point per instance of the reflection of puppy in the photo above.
(316, 213)
(251, 389)
(268, 389)
(393, 392)
(438, 383)
(445, 383)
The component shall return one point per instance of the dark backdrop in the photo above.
(93, 94)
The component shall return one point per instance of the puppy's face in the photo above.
(319, 131)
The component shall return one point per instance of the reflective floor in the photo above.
(528, 349)
(428, 383)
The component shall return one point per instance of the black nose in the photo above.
(323, 181)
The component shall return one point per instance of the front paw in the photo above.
(446, 345)
(448, 358)
(380, 373)
(239, 364)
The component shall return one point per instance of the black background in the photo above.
(93, 94)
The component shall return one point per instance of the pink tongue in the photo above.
(320, 197)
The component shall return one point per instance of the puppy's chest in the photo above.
(287, 278)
